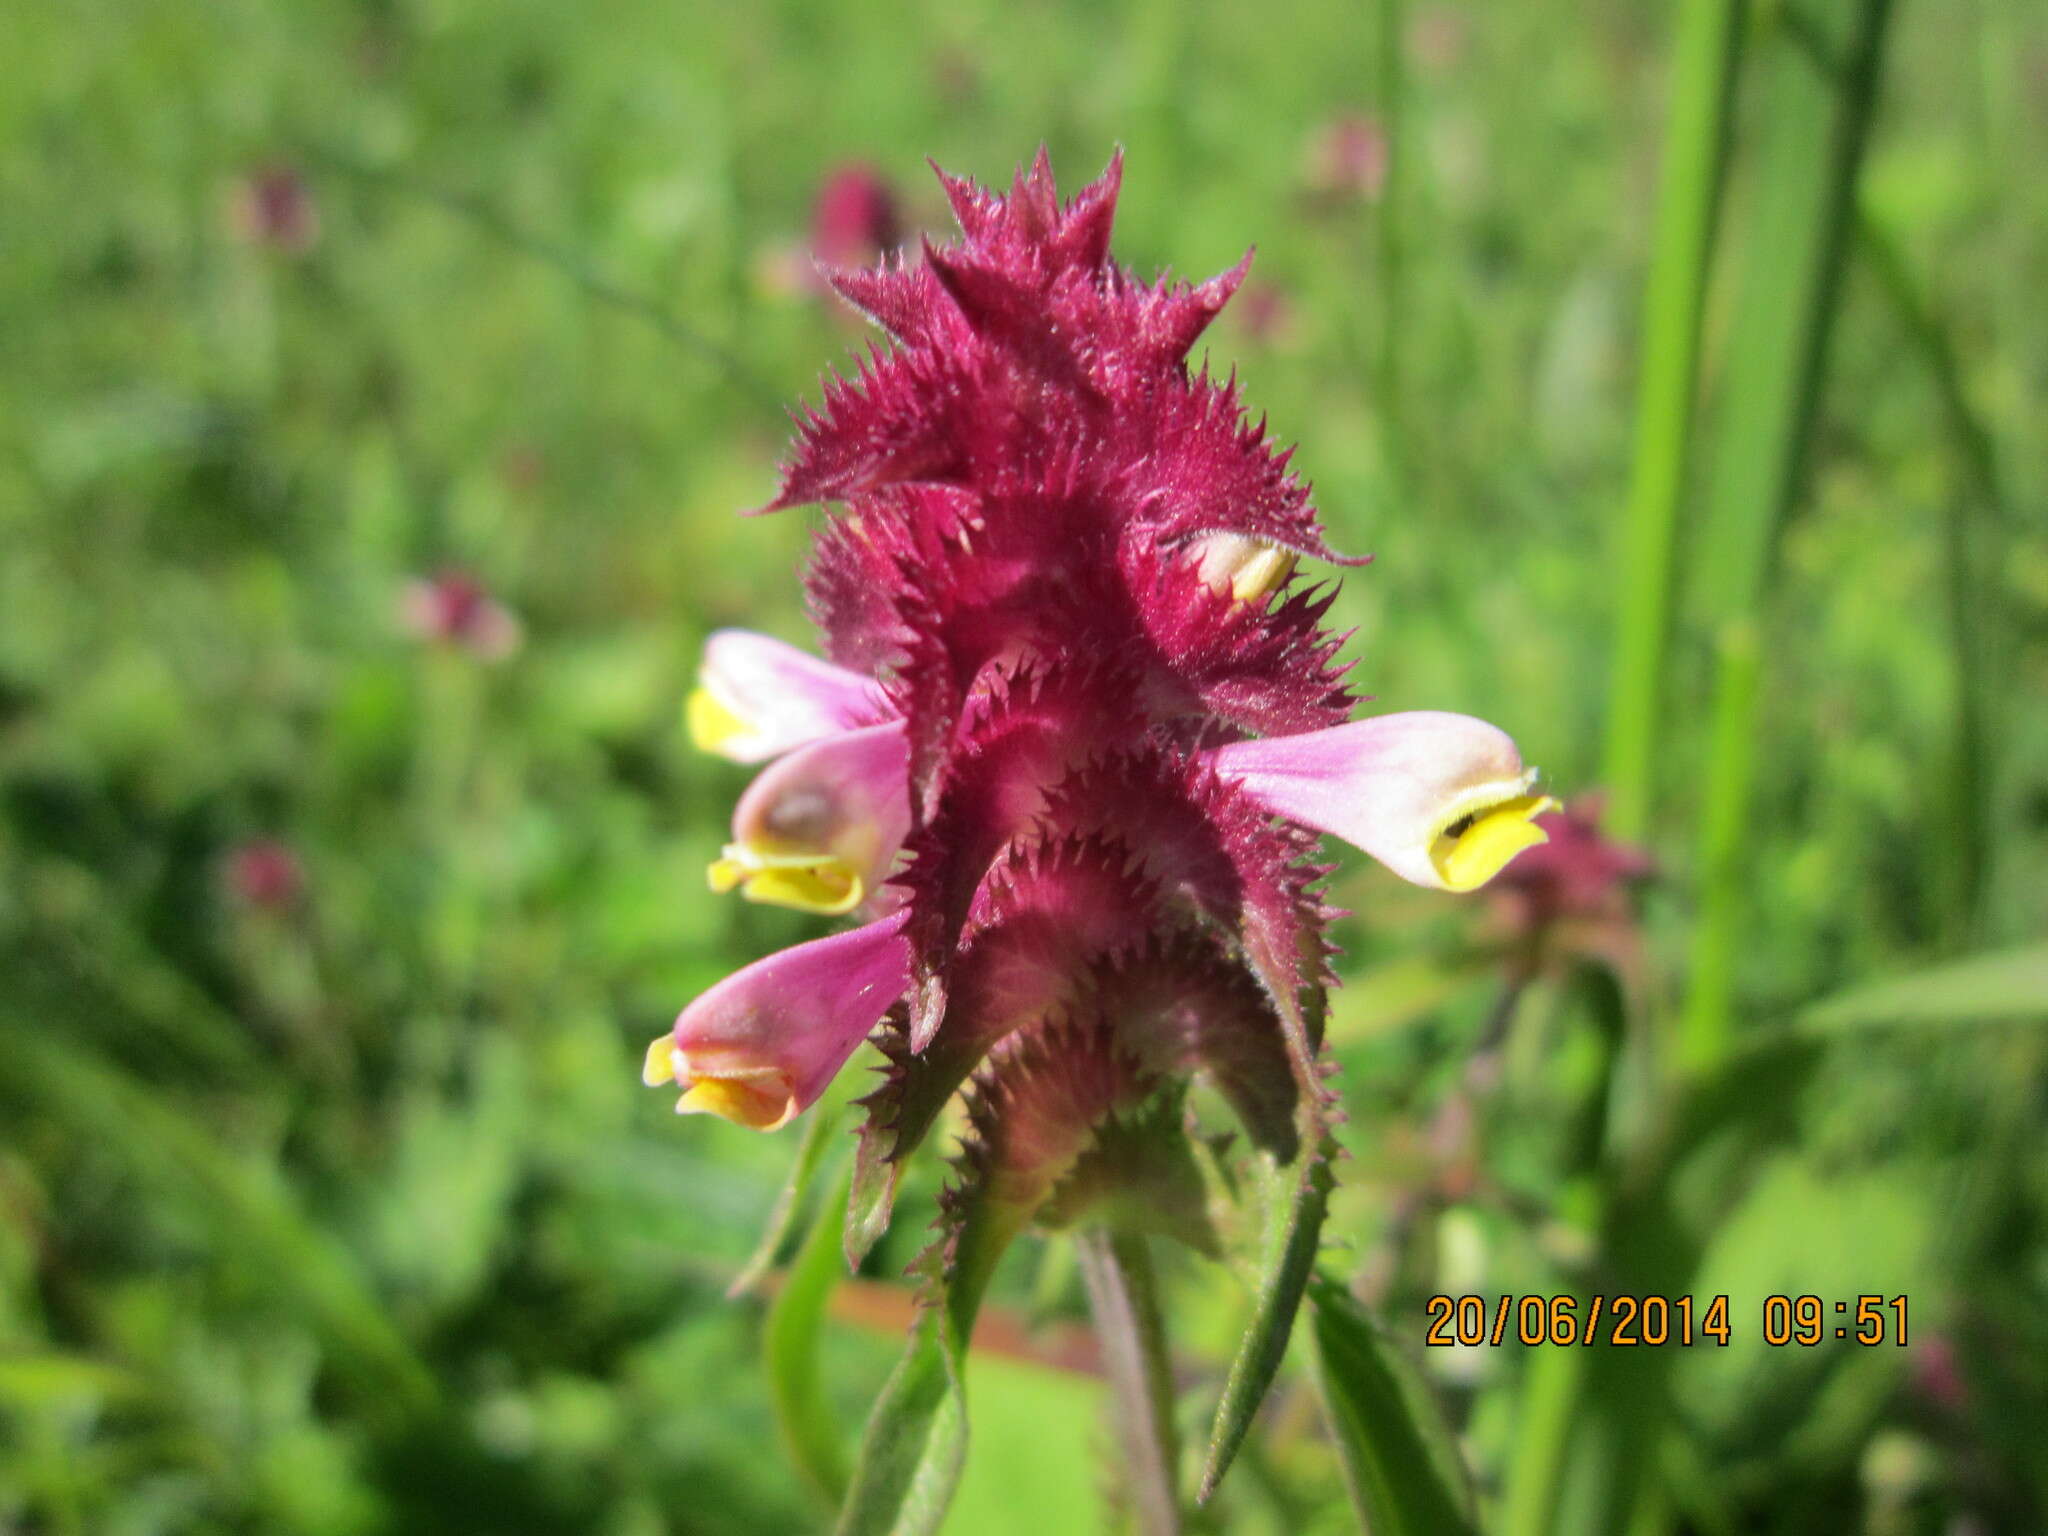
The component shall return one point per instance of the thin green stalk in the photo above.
(1123, 1295)
(1703, 73)
(481, 215)
(1815, 131)
(1549, 1399)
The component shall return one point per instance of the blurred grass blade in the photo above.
(790, 1347)
(1702, 75)
(793, 1204)
(1400, 1459)
(2007, 984)
(1390, 60)
(916, 1441)
(242, 1202)
(1724, 872)
(1289, 1261)
(1971, 552)
(1815, 127)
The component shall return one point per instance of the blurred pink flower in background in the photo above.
(1347, 159)
(855, 218)
(273, 207)
(1437, 36)
(263, 873)
(455, 609)
(1580, 874)
(1937, 1375)
(1266, 314)
(1571, 901)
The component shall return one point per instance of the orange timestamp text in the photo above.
(1624, 1321)
(1627, 1321)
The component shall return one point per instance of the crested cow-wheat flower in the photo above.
(1065, 758)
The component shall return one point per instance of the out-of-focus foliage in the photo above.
(329, 1199)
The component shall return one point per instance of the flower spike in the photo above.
(819, 829)
(1080, 723)
(757, 697)
(762, 1045)
(1442, 800)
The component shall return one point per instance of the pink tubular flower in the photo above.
(820, 828)
(758, 697)
(760, 1047)
(1442, 800)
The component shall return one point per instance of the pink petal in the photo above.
(757, 697)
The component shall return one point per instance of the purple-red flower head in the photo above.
(1079, 722)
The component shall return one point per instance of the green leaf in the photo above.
(2007, 984)
(1400, 1459)
(1289, 1261)
(916, 1441)
(790, 1347)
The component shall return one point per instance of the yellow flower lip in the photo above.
(810, 882)
(755, 1097)
(739, 1100)
(712, 723)
(1485, 829)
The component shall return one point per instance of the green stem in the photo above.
(1723, 876)
(1116, 1268)
(1815, 133)
(1703, 71)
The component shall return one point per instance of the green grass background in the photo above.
(354, 1217)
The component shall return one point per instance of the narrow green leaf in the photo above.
(2008, 984)
(1695, 148)
(1288, 1262)
(916, 1441)
(1813, 135)
(793, 1204)
(790, 1346)
(1400, 1459)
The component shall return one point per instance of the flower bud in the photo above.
(1245, 567)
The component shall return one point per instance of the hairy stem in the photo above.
(1123, 1294)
